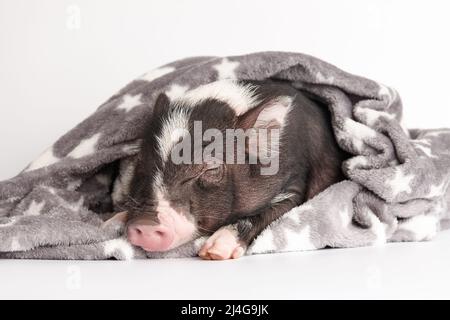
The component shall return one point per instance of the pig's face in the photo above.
(184, 202)
(179, 191)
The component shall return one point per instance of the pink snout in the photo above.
(151, 238)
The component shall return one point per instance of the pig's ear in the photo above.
(269, 115)
(265, 123)
(162, 103)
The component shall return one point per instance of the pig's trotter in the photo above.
(232, 241)
(224, 244)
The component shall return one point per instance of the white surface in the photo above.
(60, 59)
(399, 270)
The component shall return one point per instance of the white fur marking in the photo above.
(167, 215)
(173, 128)
(199, 242)
(240, 97)
(281, 197)
(158, 183)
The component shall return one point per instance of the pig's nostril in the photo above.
(134, 231)
(151, 238)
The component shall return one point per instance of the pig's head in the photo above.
(180, 190)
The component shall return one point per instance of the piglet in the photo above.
(225, 160)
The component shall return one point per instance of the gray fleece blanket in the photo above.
(396, 187)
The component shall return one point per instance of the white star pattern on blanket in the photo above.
(425, 150)
(423, 141)
(265, 243)
(86, 147)
(130, 102)
(437, 133)
(423, 227)
(34, 209)
(322, 79)
(15, 245)
(296, 215)
(118, 245)
(56, 207)
(45, 159)
(386, 92)
(226, 69)
(345, 216)
(176, 91)
(400, 182)
(437, 190)
(299, 240)
(356, 162)
(373, 115)
(358, 133)
(156, 73)
(378, 228)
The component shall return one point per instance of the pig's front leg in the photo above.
(231, 241)
(223, 244)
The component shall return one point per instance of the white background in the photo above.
(60, 59)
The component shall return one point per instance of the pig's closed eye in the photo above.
(187, 180)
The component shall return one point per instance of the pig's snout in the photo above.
(151, 237)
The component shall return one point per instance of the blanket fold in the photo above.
(396, 187)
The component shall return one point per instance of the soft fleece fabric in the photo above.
(397, 187)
